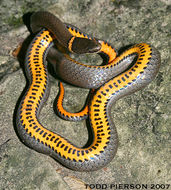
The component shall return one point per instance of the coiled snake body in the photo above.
(111, 87)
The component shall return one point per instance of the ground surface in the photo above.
(143, 119)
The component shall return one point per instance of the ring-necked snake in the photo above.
(126, 78)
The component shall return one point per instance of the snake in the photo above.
(132, 70)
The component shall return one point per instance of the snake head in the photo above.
(84, 45)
